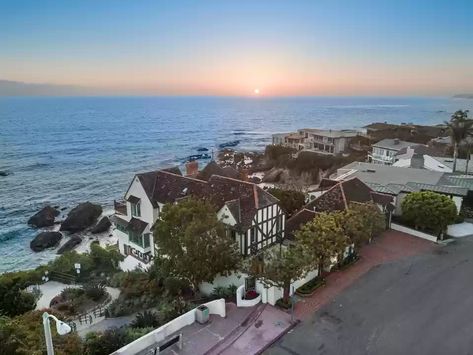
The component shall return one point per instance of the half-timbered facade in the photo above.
(252, 215)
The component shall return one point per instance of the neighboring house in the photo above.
(384, 151)
(317, 140)
(337, 196)
(252, 215)
(423, 157)
(398, 181)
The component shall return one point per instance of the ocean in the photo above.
(62, 151)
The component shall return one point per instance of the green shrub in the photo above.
(429, 211)
(175, 286)
(95, 292)
(146, 319)
(311, 286)
(224, 292)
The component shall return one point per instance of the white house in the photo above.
(384, 151)
(252, 215)
(423, 157)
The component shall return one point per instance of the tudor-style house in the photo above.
(252, 215)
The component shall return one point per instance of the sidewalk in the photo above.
(243, 331)
(392, 245)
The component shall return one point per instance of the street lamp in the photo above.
(61, 327)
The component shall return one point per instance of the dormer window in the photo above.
(135, 204)
(136, 209)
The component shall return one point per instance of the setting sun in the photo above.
(256, 91)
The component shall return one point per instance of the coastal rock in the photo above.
(45, 240)
(273, 175)
(70, 244)
(44, 218)
(102, 226)
(255, 180)
(81, 217)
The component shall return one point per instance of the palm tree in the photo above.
(460, 128)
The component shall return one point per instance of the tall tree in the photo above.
(283, 267)
(289, 200)
(429, 210)
(460, 127)
(323, 238)
(194, 243)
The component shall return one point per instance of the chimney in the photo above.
(192, 168)
(417, 161)
(396, 141)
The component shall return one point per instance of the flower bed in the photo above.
(251, 295)
(310, 287)
(348, 261)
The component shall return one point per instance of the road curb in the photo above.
(267, 346)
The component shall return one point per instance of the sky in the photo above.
(220, 47)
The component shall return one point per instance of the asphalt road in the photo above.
(419, 305)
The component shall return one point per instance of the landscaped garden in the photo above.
(74, 301)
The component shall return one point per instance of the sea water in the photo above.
(62, 151)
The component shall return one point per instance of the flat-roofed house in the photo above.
(252, 215)
(325, 141)
(400, 181)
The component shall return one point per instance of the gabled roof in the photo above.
(339, 196)
(234, 207)
(393, 144)
(136, 225)
(294, 223)
(213, 168)
(165, 187)
(327, 183)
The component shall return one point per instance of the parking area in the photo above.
(413, 302)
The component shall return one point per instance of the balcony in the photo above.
(120, 207)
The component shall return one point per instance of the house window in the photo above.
(136, 209)
(253, 235)
(135, 238)
(146, 240)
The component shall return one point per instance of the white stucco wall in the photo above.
(160, 334)
(236, 279)
(147, 211)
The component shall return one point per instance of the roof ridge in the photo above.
(255, 194)
(342, 189)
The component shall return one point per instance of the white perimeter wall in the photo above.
(161, 333)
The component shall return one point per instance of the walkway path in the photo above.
(51, 289)
(392, 245)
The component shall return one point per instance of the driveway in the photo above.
(420, 304)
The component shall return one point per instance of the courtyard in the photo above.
(419, 303)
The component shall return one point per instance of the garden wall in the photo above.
(413, 232)
(158, 335)
(236, 279)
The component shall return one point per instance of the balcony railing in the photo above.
(120, 207)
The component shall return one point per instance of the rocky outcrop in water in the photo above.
(45, 240)
(4, 173)
(44, 218)
(81, 217)
(70, 244)
(103, 226)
